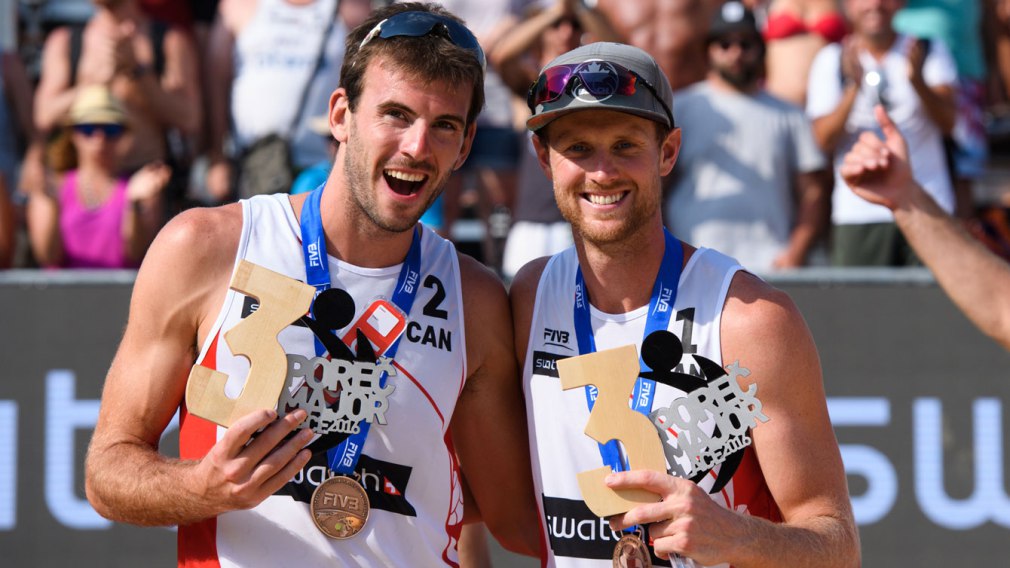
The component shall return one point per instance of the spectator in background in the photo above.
(150, 67)
(795, 30)
(750, 180)
(877, 169)
(915, 81)
(538, 229)
(672, 31)
(8, 220)
(18, 136)
(489, 173)
(97, 218)
(958, 24)
(271, 67)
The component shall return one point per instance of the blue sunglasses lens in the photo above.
(107, 130)
(417, 24)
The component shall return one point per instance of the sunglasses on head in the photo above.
(593, 76)
(107, 130)
(417, 24)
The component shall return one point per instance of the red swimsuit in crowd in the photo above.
(830, 26)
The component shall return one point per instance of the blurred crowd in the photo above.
(116, 115)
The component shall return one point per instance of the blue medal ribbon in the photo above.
(344, 458)
(664, 295)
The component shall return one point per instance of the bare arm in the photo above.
(813, 201)
(828, 129)
(218, 78)
(975, 279)
(143, 214)
(507, 54)
(490, 414)
(54, 93)
(175, 96)
(938, 100)
(43, 221)
(127, 479)
(796, 449)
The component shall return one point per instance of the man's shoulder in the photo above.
(206, 236)
(754, 306)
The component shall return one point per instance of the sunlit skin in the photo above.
(398, 138)
(606, 168)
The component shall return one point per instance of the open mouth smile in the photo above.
(404, 183)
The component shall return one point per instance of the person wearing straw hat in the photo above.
(96, 218)
(753, 475)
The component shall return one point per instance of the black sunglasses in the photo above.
(417, 24)
(745, 44)
(107, 130)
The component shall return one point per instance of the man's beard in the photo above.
(743, 79)
(362, 195)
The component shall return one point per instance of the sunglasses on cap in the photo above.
(417, 24)
(594, 77)
(107, 130)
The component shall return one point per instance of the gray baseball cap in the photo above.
(595, 76)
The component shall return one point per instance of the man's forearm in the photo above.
(133, 483)
(975, 279)
(825, 542)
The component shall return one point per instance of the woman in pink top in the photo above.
(96, 218)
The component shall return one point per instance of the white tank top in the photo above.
(560, 449)
(408, 466)
(275, 54)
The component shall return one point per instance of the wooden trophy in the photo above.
(614, 372)
(282, 301)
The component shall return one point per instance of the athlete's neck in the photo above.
(620, 276)
(356, 241)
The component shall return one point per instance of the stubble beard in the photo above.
(613, 236)
(361, 195)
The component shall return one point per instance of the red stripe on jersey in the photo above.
(455, 512)
(750, 489)
(423, 391)
(197, 543)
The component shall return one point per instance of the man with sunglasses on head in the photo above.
(382, 444)
(750, 181)
(732, 493)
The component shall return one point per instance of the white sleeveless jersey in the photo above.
(560, 449)
(408, 465)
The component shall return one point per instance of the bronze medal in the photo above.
(340, 507)
(631, 552)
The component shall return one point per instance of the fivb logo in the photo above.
(315, 259)
(580, 296)
(410, 282)
(665, 295)
(349, 455)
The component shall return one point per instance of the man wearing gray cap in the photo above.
(729, 380)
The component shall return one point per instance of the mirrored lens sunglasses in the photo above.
(417, 24)
(556, 80)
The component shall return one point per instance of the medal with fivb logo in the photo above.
(343, 388)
